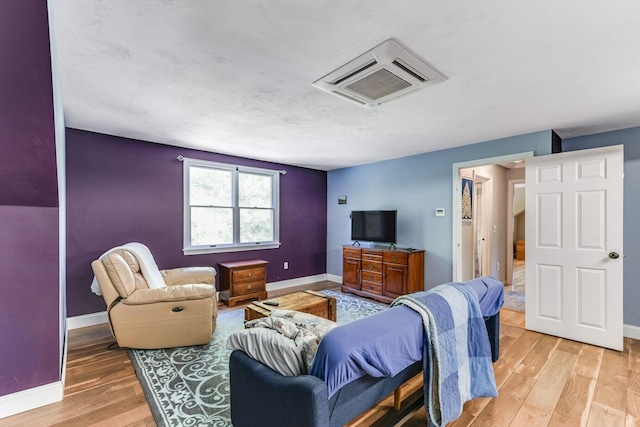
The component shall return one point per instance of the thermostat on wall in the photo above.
(439, 212)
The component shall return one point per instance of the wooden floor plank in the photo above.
(503, 409)
(603, 416)
(633, 409)
(611, 391)
(633, 348)
(551, 381)
(534, 362)
(531, 417)
(574, 401)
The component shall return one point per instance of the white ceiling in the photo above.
(235, 77)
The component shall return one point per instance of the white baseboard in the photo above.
(334, 278)
(86, 320)
(631, 331)
(32, 398)
(300, 281)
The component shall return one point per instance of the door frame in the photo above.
(457, 202)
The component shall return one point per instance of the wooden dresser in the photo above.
(242, 280)
(382, 274)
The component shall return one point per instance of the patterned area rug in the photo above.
(514, 301)
(189, 386)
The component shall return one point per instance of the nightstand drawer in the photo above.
(248, 275)
(247, 288)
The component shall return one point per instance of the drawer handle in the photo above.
(250, 274)
(370, 265)
(177, 309)
(395, 258)
(249, 287)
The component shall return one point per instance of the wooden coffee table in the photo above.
(304, 301)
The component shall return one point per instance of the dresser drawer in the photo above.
(372, 266)
(368, 254)
(351, 252)
(374, 288)
(396, 258)
(248, 275)
(371, 276)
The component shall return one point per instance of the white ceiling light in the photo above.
(385, 72)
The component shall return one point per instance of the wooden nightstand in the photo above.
(242, 280)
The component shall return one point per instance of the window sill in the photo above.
(220, 249)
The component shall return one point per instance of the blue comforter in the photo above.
(369, 346)
(457, 355)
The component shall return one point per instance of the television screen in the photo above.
(374, 226)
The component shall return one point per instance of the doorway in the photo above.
(516, 227)
(492, 220)
(482, 226)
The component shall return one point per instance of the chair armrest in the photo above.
(189, 275)
(170, 294)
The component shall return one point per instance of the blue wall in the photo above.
(630, 138)
(415, 186)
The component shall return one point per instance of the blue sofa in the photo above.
(261, 396)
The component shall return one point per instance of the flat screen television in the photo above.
(374, 226)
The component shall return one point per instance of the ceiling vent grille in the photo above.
(385, 72)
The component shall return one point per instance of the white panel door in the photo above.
(573, 271)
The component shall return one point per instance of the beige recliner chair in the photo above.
(150, 308)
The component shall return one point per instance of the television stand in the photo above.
(380, 273)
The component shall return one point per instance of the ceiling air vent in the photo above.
(385, 72)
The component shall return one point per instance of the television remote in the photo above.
(273, 303)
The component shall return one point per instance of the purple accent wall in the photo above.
(29, 284)
(121, 190)
(29, 297)
(27, 165)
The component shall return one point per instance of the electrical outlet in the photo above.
(497, 266)
(286, 265)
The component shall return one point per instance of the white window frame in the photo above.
(236, 246)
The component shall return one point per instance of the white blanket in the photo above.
(148, 266)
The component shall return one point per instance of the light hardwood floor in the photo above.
(542, 381)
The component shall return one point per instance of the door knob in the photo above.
(614, 255)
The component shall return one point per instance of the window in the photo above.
(229, 208)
